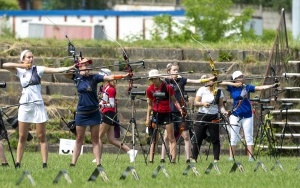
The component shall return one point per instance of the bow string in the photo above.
(71, 49)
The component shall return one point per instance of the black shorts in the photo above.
(161, 118)
(110, 118)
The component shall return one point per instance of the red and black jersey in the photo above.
(163, 105)
(108, 92)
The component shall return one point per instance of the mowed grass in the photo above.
(84, 168)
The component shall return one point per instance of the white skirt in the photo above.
(32, 113)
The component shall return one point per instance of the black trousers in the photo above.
(208, 131)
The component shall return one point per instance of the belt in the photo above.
(87, 112)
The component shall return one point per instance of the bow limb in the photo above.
(128, 69)
(215, 73)
(212, 66)
(183, 106)
(128, 66)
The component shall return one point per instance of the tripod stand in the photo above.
(268, 123)
(3, 131)
(3, 134)
(265, 129)
(285, 106)
(133, 126)
(157, 132)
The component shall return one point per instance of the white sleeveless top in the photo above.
(32, 92)
(32, 112)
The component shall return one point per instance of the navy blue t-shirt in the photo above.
(181, 83)
(87, 90)
(241, 103)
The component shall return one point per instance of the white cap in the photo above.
(236, 74)
(22, 54)
(105, 72)
(154, 73)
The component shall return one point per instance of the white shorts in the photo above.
(32, 113)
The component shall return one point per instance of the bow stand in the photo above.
(132, 94)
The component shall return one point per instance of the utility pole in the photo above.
(83, 4)
(28, 5)
(296, 19)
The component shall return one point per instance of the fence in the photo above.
(278, 56)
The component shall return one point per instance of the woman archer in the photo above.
(181, 128)
(32, 109)
(241, 115)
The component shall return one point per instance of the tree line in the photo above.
(276, 5)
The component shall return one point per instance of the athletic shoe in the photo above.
(230, 159)
(132, 154)
(18, 165)
(94, 160)
(251, 159)
(45, 165)
(5, 164)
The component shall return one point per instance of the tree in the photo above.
(73, 4)
(274, 4)
(9, 5)
(212, 20)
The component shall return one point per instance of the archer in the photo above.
(241, 113)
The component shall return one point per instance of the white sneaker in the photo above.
(93, 161)
(132, 154)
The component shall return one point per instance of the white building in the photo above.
(89, 24)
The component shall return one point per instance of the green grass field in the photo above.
(84, 168)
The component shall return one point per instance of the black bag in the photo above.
(13, 121)
(71, 125)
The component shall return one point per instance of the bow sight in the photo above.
(72, 51)
(134, 93)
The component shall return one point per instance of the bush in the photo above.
(225, 56)
(268, 35)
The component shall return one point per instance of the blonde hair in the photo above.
(23, 54)
(170, 65)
